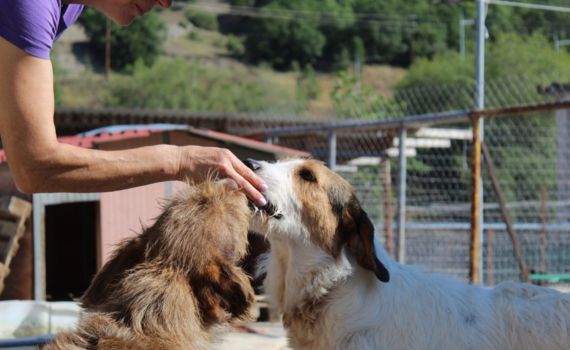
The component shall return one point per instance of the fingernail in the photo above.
(262, 202)
(263, 187)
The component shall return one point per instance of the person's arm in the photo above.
(39, 163)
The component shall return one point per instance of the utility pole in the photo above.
(107, 48)
(357, 71)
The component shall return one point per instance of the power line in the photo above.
(322, 17)
(530, 5)
(282, 11)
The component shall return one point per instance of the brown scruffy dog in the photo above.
(177, 284)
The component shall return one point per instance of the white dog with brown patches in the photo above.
(337, 289)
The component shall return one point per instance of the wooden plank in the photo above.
(14, 208)
(4, 244)
(14, 213)
(8, 229)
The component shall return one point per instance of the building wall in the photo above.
(123, 213)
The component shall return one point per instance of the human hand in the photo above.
(197, 163)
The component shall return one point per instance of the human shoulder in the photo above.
(33, 25)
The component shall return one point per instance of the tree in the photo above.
(523, 148)
(400, 31)
(395, 32)
(142, 39)
(322, 33)
(284, 41)
(513, 71)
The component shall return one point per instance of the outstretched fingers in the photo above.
(251, 184)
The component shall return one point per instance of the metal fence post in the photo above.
(479, 105)
(474, 236)
(38, 212)
(402, 196)
(331, 156)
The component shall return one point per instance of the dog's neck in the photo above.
(300, 273)
(303, 274)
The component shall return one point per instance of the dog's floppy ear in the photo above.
(359, 236)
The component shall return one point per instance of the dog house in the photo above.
(75, 233)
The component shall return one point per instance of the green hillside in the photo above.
(334, 57)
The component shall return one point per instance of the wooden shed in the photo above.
(75, 233)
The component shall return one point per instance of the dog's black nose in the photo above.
(252, 164)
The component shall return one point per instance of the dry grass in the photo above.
(381, 79)
(83, 87)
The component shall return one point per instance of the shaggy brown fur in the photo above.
(176, 283)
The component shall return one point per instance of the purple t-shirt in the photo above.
(33, 25)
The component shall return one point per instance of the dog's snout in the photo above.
(252, 164)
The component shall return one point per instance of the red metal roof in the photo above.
(242, 141)
(103, 137)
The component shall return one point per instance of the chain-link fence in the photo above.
(525, 173)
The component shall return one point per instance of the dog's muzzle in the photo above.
(270, 208)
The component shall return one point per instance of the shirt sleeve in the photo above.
(30, 25)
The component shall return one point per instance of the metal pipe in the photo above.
(423, 119)
(462, 24)
(38, 212)
(26, 341)
(402, 196)
(413, 120)
(386, 175)
(332, 150)
(480, 105)
(66, 116)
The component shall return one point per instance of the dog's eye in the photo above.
(307, 175)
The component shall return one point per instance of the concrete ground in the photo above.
(29, 319)
(258, 336)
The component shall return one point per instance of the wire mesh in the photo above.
(530, 173)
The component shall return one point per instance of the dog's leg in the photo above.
(236, 291)
(223, 291)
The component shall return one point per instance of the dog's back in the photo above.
(174, 285)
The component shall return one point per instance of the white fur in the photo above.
(414, 310)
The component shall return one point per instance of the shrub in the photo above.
(352, 100)
(307, 88)
(235, 46)
(194, 35)
(202, 19)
